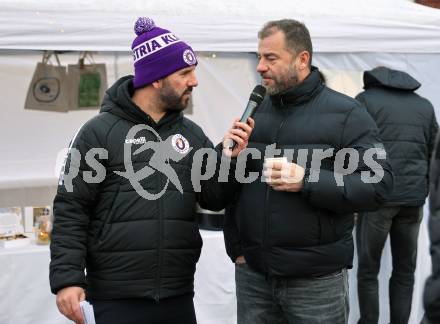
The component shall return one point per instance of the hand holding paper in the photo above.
(87, 311)
(68, 302)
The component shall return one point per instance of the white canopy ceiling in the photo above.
(220, 25)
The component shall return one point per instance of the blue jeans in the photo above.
(372, 229)
(280, 300)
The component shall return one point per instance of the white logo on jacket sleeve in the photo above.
(180, 144)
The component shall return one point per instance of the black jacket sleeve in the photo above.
(218, 191)
(432, 289)
(216, 195)
(232, 234)
(72, 208)
(432, 134)
(360, 134)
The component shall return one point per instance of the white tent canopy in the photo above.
(226, 25)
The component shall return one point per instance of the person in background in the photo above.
(432, 288)
(408, 127)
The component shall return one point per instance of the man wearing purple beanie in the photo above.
(127, 216)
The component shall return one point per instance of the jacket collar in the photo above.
(301, 93)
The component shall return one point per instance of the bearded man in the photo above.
(129, 219)
(290, 235)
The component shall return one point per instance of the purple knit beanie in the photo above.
(157, 53)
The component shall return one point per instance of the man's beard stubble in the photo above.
(283, 82)
(171, 100)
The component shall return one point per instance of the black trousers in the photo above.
(402, 224)
(175, 310)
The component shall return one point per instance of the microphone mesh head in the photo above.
(258, 94)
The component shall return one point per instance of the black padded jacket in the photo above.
(407, 126)
(131, 244)
(306, 233)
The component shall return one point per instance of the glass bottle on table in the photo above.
(44, 228)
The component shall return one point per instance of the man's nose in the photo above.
(261, 67)
(193, 82)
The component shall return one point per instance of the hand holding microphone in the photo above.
(237, 137)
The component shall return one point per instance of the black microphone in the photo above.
(255, 100)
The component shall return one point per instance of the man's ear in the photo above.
(304, 59)
(157, 84)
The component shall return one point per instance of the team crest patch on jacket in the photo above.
(180, 144)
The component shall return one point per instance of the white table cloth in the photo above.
(26, 297)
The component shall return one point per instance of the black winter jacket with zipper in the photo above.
(307, 233)
(131, 246)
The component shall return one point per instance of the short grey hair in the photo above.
(296, 34)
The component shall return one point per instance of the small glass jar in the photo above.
(44, 228)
